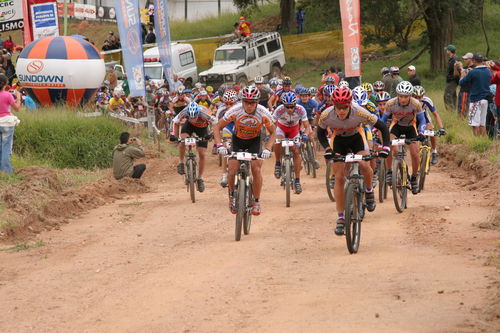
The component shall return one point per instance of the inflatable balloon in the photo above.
(60, 70)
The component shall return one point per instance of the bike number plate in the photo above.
(287, 143)
(398, 142)
(353, 158)
(429, 133)
(242, 156)
(190, 141)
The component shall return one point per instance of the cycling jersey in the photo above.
(349, 126)
(404, 115)
(280, 92)
(114, 103)
(371, 107)
(281, 116)
(206, 103)
(248, 125)
(311, 107)
(428, 107)
(181, 101)
(202, 121)
(323, 106)
(221, 111)
(265, 93)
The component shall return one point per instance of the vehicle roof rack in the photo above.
(255, 39)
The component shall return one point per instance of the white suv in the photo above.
(239, 62)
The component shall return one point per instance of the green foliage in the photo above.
(65, 140)
(320, 15)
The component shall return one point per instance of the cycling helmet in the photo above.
(197, 85)
(210, 89)
(287, 81)
(382, 96)
(329, 80)
(118, 92)
(161, 91)
(343, 84)
(404, 88)
(367, 86)
(203, 93)
(230, 96)
(384, 70)
(313, 91)
(328, 90)
(342, 96)
(378, 86)
(418, 91)
(186, 91)
(180, 90)
(360, 96)
(280, 82)
(258, 80)
(303, 91)
(250, 93)
(289, 98)
(193, 110)
(394, 69)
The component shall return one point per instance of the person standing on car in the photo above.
(124, 155)
(7, 123)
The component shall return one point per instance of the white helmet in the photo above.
(118, 92)
(404, 88)
(198, 85)
(203, 93)
(343, 84)
(258, 79)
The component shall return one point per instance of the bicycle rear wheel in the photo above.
(311, 156)
(247, 222)
(399, 183)
(422, 170)
(329, 175)
(240, 214)
(382, 185)
(353, 204)
(304, 157)
(288, 180)
(191, 179)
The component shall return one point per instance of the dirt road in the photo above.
(158, 263)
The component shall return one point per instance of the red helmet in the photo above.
(342, 96)
(250, 92)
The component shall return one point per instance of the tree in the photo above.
(287, 13)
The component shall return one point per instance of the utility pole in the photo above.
(65, 17)
(218, 4)
(185, 10)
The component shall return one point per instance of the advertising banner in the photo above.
(162, 31)
(44, 20)
(351, 31)
(11, 15)
(129, 26)
(85, 12)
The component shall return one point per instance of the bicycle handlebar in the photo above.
(342, 158)
(234, 156)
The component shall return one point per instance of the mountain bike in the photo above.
(287, 169)
(308, 155)
(243, 192)
(330, 180)
(400, 173)
(354, 206)
(191, 174)
(425, 158)
(381, 171)
(226, 141)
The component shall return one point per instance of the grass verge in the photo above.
(24, 246)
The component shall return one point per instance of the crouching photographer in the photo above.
(124, 155)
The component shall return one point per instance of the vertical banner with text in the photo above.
(162, 31)
(351, 31)
(129, 26)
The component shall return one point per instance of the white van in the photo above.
(183, 63)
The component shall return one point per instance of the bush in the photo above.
(66, 140)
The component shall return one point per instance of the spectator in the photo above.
(386, 78)
(107, 46)
(114, 42)
(10, 71)
(396, 79)
(244, 28)
(413, 77)
(9, 44)
(124, 155)
(151, 13)
(150, 37)
(299, 17)
(144, 32)
(7, 123)
(495, 79)
(463, 95)
(112, 77)
(1, 42)
(450, 92)
(479, 79)
(125, 85)
(27, 101)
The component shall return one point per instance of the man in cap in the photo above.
(450, 92)
(413, 77)
(462, 70)
(479, 80)
(244, 28)
(386, 78)
(396, 79)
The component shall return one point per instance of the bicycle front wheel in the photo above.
(191, 179)
(329, 175)
(247, 221)
(303, 156)
(422, 170)
(399, 185)
(288, 180)
(382, 185)
(311, 156)
(241, 209)
(353, 217)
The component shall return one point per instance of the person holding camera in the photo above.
(9, 100)
(124, 155)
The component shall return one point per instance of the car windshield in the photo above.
(153, 72)
(230, 55)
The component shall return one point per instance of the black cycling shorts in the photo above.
(251, 145)
(409, 131)
(201, 132)
(344, 145)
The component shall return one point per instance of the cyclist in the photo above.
(276, 97)
(369, 90)
(249, 117)
(197, 121)
(405, 110)
(204, 99)
(346, 120)
(230, 98)
(265, 91)
(381, 99)
(429, 108)
(329, 81)
(378, 86)
(288, 117)
(161, 102)
(307, 101)
(180, 101)
(313, 91)
(343, 84)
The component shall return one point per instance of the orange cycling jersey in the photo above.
(203, 120)
(248, 125)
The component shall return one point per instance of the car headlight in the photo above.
(228, 77)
